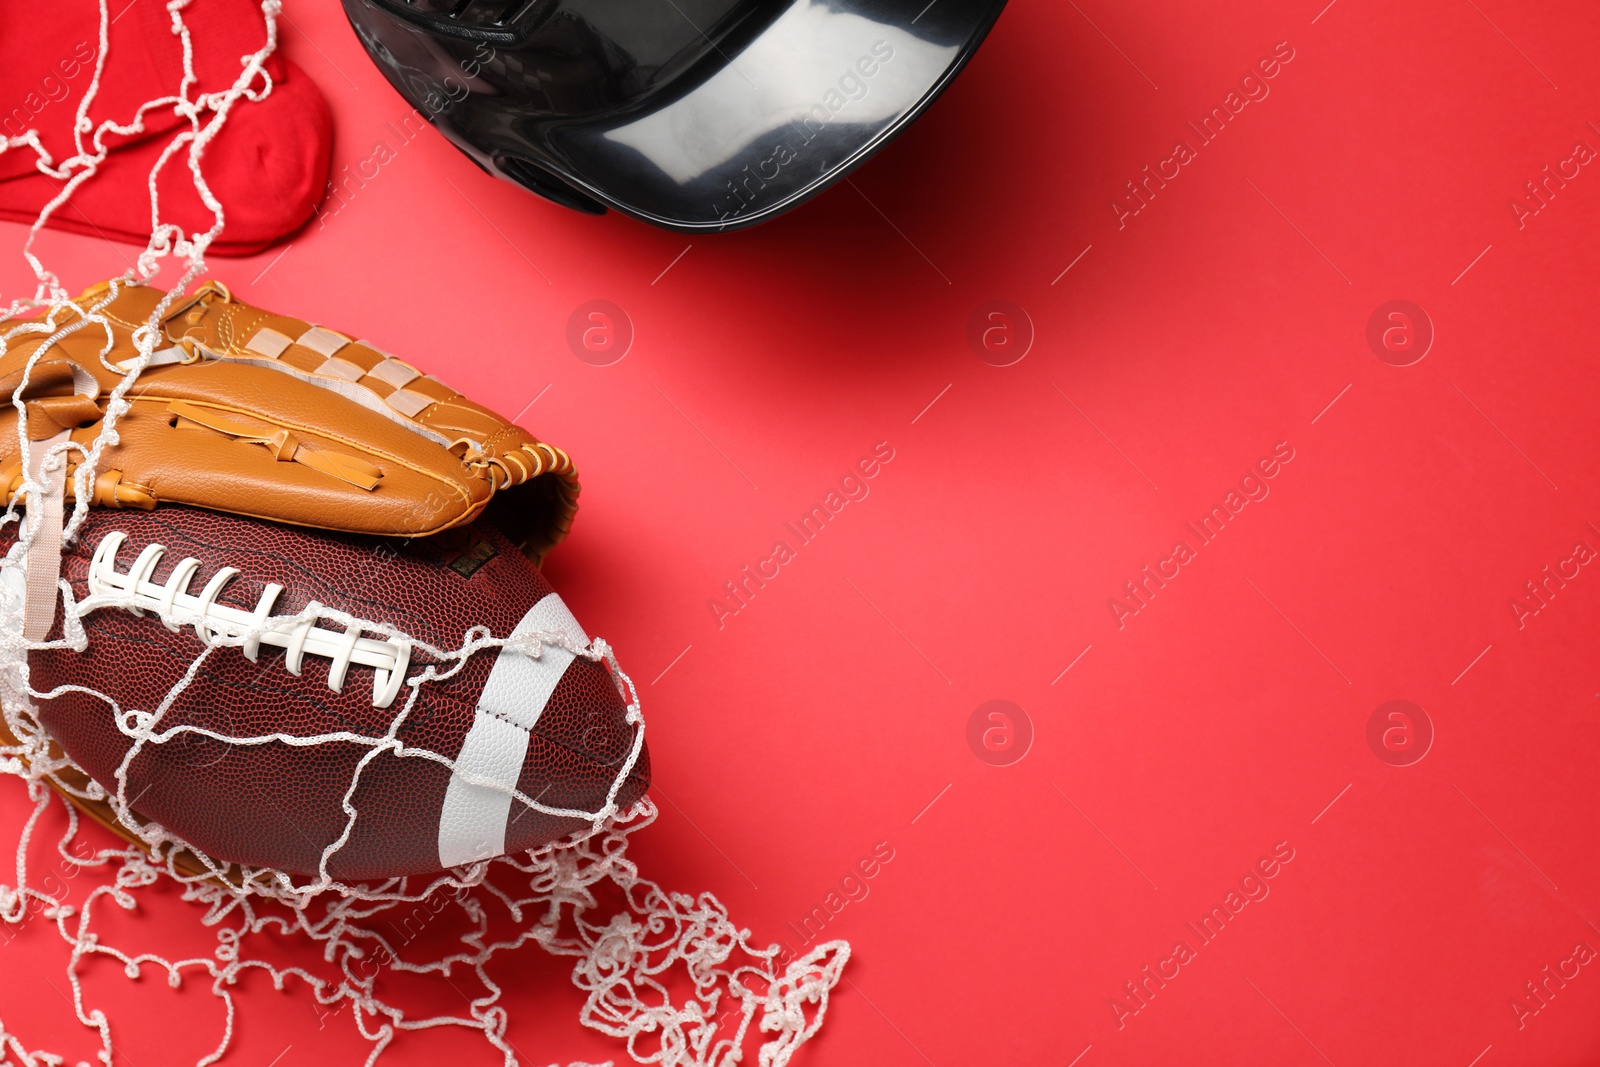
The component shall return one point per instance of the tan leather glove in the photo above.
(246, 411)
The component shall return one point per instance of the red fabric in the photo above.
(268, 166)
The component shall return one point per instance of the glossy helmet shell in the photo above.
(689, 114)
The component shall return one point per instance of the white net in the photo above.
(666, 973)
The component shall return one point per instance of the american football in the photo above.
(330, 703)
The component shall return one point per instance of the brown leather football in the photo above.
(342, 739)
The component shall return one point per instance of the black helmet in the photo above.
(690, 114)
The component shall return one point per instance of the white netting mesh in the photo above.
(667, 973)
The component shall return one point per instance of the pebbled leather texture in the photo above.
(262, 414)
(278, 805)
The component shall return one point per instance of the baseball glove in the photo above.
(245, 411)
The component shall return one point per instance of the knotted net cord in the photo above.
(666, 973)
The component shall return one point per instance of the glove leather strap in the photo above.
(46, 517)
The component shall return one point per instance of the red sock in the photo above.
(268, 166)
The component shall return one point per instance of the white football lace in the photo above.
(174, 604)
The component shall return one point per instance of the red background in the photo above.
(1228, 715)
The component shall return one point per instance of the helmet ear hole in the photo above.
(533, 177)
